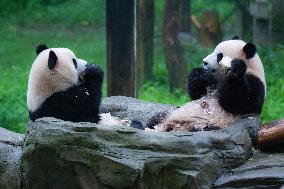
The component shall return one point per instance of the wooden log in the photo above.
(271, 135)
(173, 50)
(145, 36)
(121, 65)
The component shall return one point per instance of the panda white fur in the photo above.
(230, 85)
(63, 86)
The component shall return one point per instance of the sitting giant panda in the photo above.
(63, 86)
(231, 85)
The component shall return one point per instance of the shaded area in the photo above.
(261, 171)
(10, 159)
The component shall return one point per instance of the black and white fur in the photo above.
(64, 86)
(230, 85)
(242, 90)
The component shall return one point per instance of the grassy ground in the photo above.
(70, 25)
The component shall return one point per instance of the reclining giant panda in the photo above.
(231, 85)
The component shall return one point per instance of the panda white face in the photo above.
(226, 62)
(235, 49)
(65, 69)
(227, 49)
(54, 70)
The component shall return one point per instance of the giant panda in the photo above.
(229, 86)
(63, 86)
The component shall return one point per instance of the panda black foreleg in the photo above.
(198, 81)
(93, 83)
(241, 93)
(94, 78)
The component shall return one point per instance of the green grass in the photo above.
(62, 13)
(272, 58)
(79, 25)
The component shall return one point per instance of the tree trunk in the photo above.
(260, 11)
(172, 47)
(121, 66)
(184, 14)
(239, 22)
(145, 34)
(243, 20)
(277, 19)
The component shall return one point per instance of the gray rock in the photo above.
(261, 171)
(133, 109)
(10, 159)
(60, 154)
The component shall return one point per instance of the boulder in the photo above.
(10, 159)
(261, 171)
(133, 109)
(60, 155)
(57, 154)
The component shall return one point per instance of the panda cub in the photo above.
(229, 86)
(63, 86)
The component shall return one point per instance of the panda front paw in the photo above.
(94, 72)
(238, 67)
(198, 81)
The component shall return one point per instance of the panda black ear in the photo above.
(235, 37)
(52, 59)
(250, 50)
(40, 48)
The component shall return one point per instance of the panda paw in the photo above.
(198, 81)
(94, 72)
(238, 67)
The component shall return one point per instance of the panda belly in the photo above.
(201, 114)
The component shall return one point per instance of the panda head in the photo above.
(54, 70)
(235, 48)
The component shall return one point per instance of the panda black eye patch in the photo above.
(219, 57)
(75, 63)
